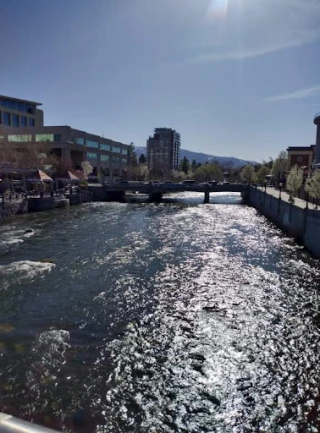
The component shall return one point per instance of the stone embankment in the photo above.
(296, 220)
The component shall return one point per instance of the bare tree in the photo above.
(280, 166)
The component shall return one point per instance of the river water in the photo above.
(172, 317)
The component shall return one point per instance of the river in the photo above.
(171, 317)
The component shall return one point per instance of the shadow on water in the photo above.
(191, 199)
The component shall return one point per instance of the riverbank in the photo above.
(18, 206)
(296, 220)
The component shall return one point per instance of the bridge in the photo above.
(116, 190)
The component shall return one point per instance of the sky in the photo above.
(235, 77)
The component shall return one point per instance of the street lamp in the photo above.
(280, 188)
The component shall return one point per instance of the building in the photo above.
(22, 127)
(303, 156)
(163, 151)
(316, 121)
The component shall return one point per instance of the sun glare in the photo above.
(218, 8)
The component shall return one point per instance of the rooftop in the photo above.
(20, 100)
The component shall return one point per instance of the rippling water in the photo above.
(177, 317)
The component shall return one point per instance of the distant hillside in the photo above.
(203, 157)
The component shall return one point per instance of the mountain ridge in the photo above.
(203, 157)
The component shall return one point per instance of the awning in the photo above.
(39, 176)
(67, 176)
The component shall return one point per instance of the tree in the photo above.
(262, 173)
(312, 185)
(142, 159)
(280, 166)
(184, 165)
(247, 174)
(208, 172)
(194, 165)
(177, 176)
(86, 168)
(294, 182)
(140, 172)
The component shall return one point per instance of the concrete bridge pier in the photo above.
(206, 197)
(155, 196)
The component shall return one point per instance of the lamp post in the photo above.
(280, 189)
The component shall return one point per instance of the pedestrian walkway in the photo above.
(285, 197)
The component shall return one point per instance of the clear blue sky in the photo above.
(234, 77)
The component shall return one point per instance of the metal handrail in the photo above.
(11, 424)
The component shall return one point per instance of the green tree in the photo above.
(194, 165)
(184, 165)
(208, 172)
(312, 185)
(294, 182)
(262, 173)
(142, 159)
(247, 174)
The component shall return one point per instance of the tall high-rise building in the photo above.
(163, 151)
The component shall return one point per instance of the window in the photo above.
(15, 120)
(91, 155)
(56, 137)
(105, 146)
(91, 143)
(6, 118)
(124, 160)
(124, 151)
(44, 137)
(21, 106)
(79, 140)
(1, 138)
(104, 158)
(23, 121)
(20, 138)
(31, 121)
(116, 149)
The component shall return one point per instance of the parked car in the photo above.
(212, 182)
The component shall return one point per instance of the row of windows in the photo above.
(20, 138)
(19, 106)
(102, 146)
(48, 137)
(91, 155)
(79, 140)
(105, 158)
(9, 119)
(105, 146)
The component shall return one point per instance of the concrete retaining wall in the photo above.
(40, 204)
(13, 208)
(80, 198)
(302, 224)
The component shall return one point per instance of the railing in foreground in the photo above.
(10, 424)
